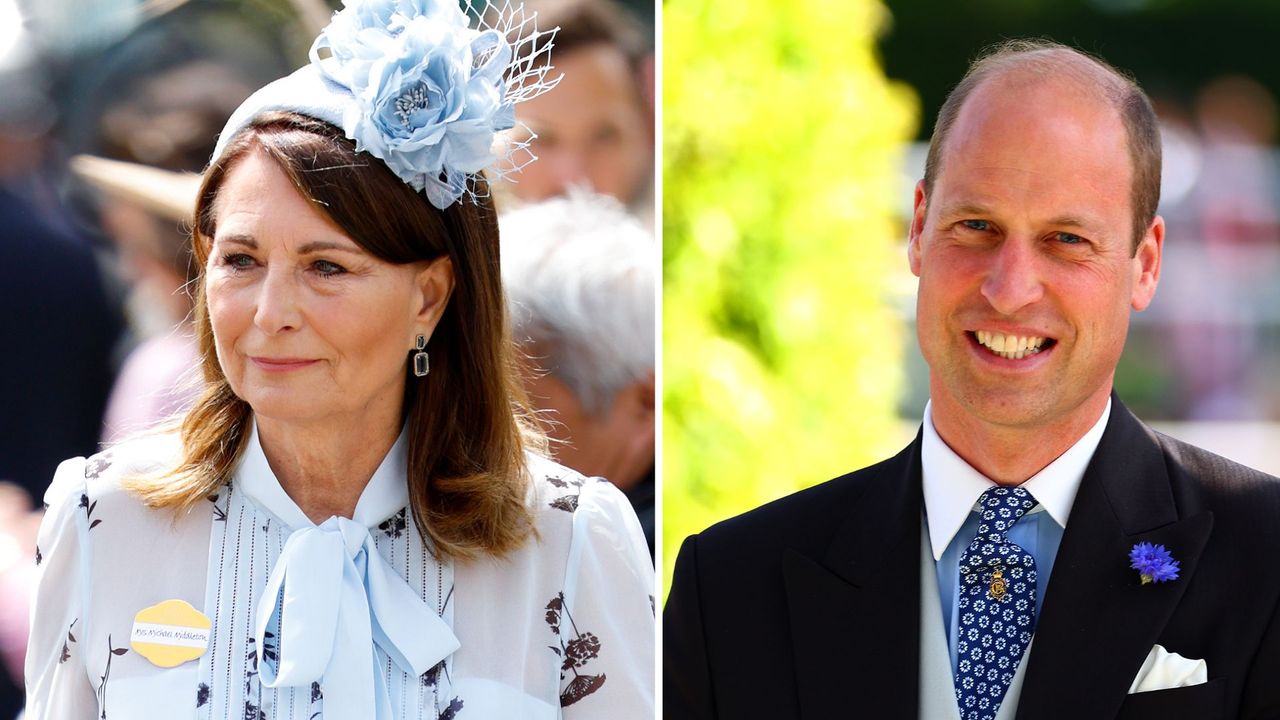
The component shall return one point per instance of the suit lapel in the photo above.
(854, 614)
(1098, 621)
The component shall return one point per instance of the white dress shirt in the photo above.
(952, 488)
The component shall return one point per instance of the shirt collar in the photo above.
(952, 486)
(385, 495)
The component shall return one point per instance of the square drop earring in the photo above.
(421, 364)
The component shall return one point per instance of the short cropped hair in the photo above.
(580, 277)
(1046, 58)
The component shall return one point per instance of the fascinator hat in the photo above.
(425, 87)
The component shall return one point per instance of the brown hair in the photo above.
(468, 420)
(586, 23)
(1047, 58)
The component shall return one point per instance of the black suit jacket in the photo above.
(809, 606)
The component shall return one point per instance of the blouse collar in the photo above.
(386, 494)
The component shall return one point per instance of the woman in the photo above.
(345, 526)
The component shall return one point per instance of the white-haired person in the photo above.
(354, 520)
(580, 275)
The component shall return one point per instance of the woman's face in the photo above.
(309, 326)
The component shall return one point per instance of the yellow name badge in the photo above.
(170, 633)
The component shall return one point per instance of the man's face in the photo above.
(592, 129)
(1025, 257)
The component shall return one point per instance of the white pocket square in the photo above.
(1163, 670)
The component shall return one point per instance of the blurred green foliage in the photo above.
(782, 363)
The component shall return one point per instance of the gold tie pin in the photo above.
(998, 585)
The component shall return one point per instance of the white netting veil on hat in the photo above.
(424, 86)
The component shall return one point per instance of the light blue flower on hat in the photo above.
(415, 86)
(429, 91)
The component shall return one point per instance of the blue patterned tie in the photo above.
(997, 605)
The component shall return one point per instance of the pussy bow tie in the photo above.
(332, 598)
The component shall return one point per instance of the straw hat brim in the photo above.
(168, 194)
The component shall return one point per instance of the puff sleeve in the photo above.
(606, 618)
(57, 682)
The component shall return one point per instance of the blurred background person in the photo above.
(145, 87)
(598, 130)
(90, 275)
(144, 210)
(580, 277)
(1230, 259)
(59, 322)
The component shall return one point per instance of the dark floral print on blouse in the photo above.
(202, 695)
(97, 465)
(569, 501)
(394, 526)
(105, 677)
(560, 482)
(89, 513)
(317, 694)
(88, 509)
(251, 709)
(451, 712)
(581, 649)
(431, 681)
(431, 678)
(66, 644)
(220, 513)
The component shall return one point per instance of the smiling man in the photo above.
(1037, 552)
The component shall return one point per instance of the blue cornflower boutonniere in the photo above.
(1153, 563)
